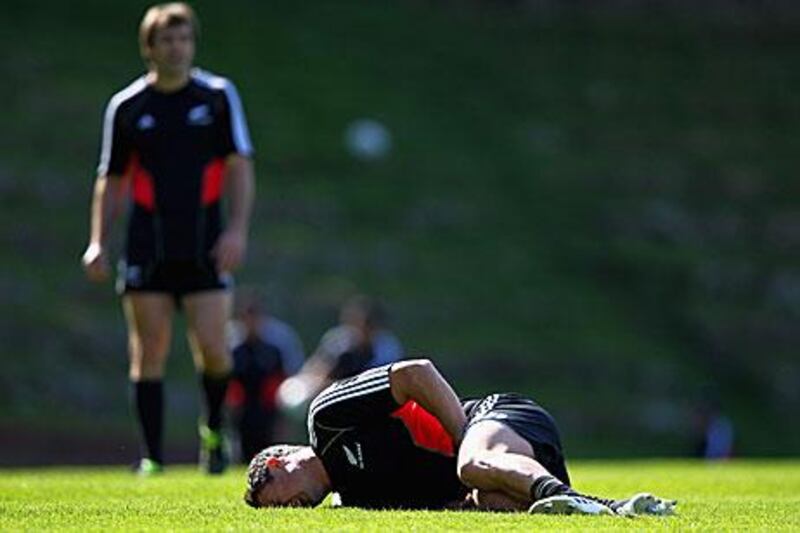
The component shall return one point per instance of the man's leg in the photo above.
(207, 315)
(501, 466)
(149, 319)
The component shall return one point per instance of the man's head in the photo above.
(363, 313)
(250, 309)
(286, 475)
(167, 37)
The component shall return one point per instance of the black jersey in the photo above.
(172, 148)
(379, 454)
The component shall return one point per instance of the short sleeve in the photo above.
(116, 146)
(234, 135)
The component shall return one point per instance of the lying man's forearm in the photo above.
(418, 380)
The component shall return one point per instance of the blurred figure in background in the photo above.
(714, 430)
(266, 351)
(360, 341)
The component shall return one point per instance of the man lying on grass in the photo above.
(397, 436)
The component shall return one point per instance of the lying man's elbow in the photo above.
(408, 376)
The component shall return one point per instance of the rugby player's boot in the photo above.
(569, 504)
(213, 455)
(644, 504)
(147, 467)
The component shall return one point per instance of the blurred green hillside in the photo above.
(595, 207)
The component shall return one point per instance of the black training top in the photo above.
(379, 454)
(172, 148)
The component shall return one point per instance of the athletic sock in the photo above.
(148, 400)
(546, 486)
(214, 388)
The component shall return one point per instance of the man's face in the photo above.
(172, 51)
(358, 321)
(290, 487)
(251, 320)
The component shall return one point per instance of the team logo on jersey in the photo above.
(199, 115)
(355, 459)
(146, 122)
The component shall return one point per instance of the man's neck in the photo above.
(168, 82)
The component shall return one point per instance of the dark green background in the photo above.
(597, 207)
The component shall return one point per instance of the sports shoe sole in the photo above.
(566, 505)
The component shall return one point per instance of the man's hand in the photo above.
(95, 263)
(229, 250)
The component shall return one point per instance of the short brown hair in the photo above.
(162, 16)
(258, 474)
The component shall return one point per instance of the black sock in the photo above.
(148, 401)
(546, 486)
(214, 388)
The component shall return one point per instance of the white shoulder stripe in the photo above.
(241, 135)
(338, 389)
(125, 94)
(350, 396)
(347, 394)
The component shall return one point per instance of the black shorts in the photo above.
(527, 419)
(177, 278)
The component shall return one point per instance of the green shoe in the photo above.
(213, 455)
(147, 467)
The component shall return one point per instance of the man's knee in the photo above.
(212, 354)
(474, 469)
(149, 346)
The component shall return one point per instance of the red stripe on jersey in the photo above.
(426, 430)
(143, 190)
(213, 175)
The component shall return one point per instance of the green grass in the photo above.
(730, 496)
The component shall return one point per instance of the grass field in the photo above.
(731, 496)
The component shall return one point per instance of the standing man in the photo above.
(177, 139)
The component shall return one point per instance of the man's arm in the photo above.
(106, 203)
(420, 381)
(316, 373)
(231, 246)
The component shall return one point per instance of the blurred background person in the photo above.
(360, 341)
(266, 351)
(174, 136)
(713, 429)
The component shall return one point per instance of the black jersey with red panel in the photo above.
(172, 147)
(379, 454)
